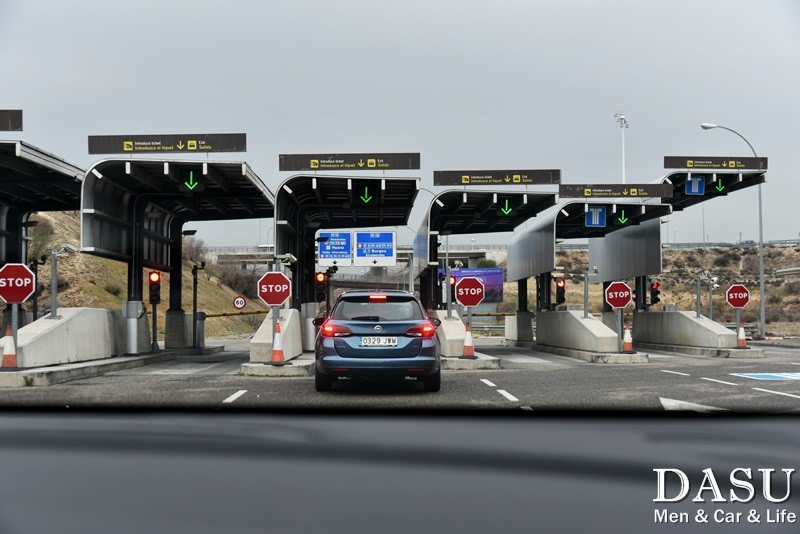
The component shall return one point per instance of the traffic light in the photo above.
(655, 291)
(561, 289)
(154, 279)
(452, 289)
(321, 286)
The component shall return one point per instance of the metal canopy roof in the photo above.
(306, 203)
(33, 180)
(229, 190)
(478, 212)
(132, 209)
(570, 220)
(730, 181)
(339, 202)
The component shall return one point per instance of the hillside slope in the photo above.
(86, 280)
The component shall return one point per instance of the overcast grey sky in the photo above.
(470, 85)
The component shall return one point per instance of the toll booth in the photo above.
(134, 210)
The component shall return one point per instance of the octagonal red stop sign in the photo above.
(618, 294)
(469, 291)
(17, 283)
(737, 296)
(274, 288)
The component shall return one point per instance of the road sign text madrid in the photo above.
(274, 288)
(17, 283)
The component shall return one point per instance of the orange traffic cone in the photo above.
(9, 351)
(627, 340)
(277, 346)
(741, 340)
(469, 348)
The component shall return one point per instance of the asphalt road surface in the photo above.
(529, 380)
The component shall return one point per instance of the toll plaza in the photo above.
(630, 248)
(694, 180)
(532, 254)
(460, 211)
(134, 211)
(31, 180)
(306, 203)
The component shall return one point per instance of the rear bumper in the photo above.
(336, 366)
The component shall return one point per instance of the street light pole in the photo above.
(762, 298)
(623, 123)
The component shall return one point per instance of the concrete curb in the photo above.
(47, 376)
(296, 367)
(482, 362)
(189, 351)
(597, 357)
(710, 352)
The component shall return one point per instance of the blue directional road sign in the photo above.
(595, 217)
(335, 249)
(696, 185)
(375, 249)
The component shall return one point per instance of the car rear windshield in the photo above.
(377, 308)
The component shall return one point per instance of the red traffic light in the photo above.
(452, 280)
(320, 277)
(655, 285)
(560, 283)
(155, 277)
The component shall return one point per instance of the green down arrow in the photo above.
(365, 198)
(191, 184)
(622, 219)
(506, 210)
(720, 187)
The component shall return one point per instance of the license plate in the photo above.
(378, 341)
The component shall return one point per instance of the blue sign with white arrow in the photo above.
(335, 249)
(595, 217)
(696, 185)
(375, 249)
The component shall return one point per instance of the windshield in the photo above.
(377, 309)
(432, 207)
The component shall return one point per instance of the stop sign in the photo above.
(274, 288)
(17, 283)
(618, 294)
(469, 291)
(737, 296)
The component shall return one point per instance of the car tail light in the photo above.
(378, 297)
(334, 330)
(422, 330)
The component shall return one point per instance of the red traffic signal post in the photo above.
(618, 295)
